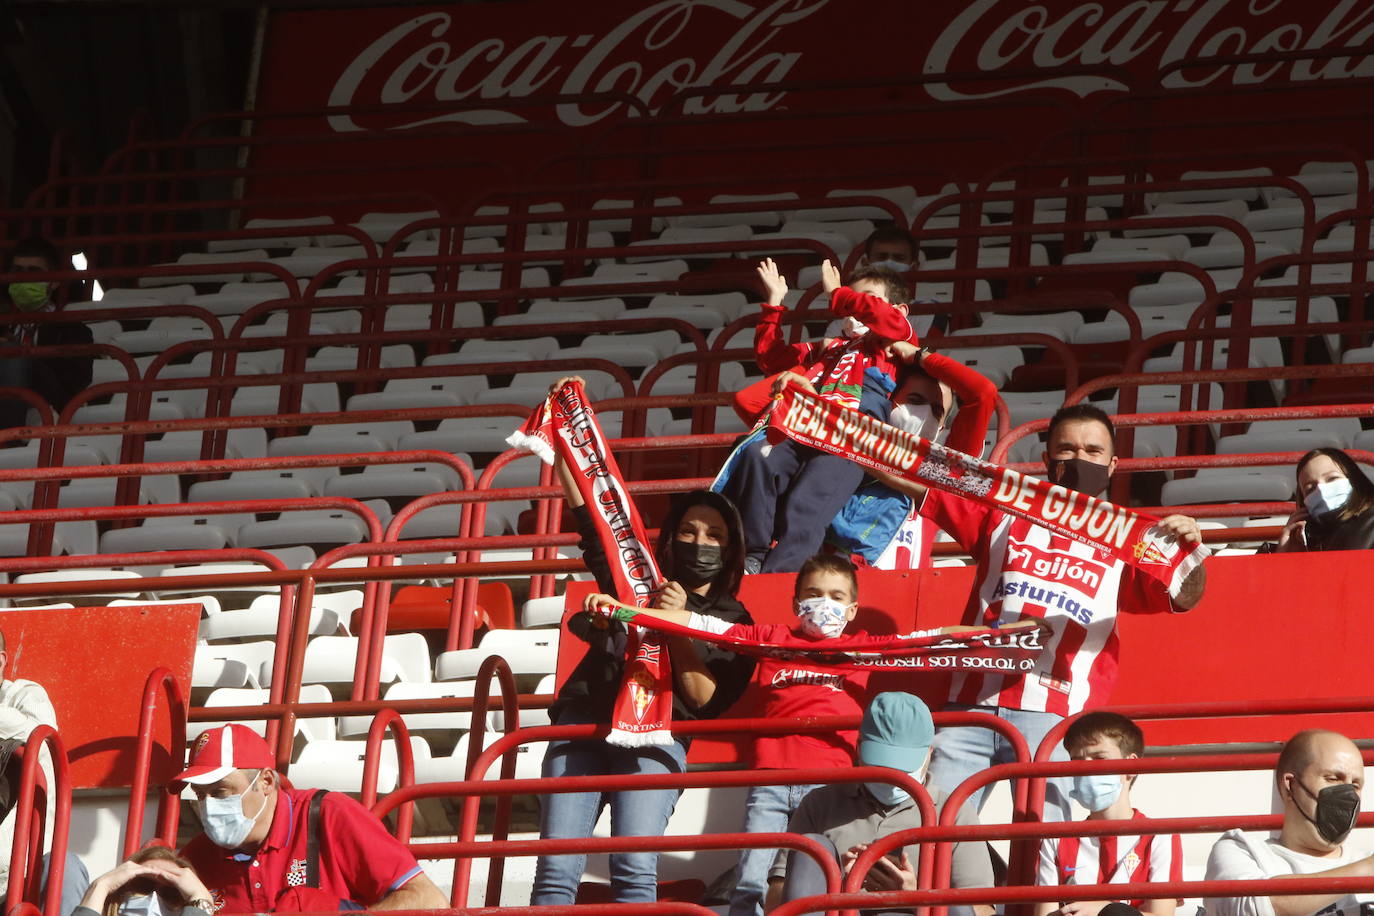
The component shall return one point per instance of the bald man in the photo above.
(1319, 776)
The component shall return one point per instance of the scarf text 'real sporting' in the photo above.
(1119, 532)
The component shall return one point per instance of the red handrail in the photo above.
(25, 868)
(169, 800)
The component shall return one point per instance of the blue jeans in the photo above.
(960, 752)
(634, 875)
(766, 810)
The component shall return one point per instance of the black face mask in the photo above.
(696, 564)
(1078, 474)
(1337, 808)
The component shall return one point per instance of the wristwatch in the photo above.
(203, 904)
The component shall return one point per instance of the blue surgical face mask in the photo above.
(224, 820)
(1096, 791)
(900, 267)
(887, 794)
(1328, 497)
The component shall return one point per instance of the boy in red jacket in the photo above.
(788, 493)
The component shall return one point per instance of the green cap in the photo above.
(896, 732)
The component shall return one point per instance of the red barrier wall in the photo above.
(1269, 627)
(93, 662)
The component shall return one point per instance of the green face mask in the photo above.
(28, 297)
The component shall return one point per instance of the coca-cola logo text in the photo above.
(989, 36)
(428, 59)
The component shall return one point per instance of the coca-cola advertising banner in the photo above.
(410, 69)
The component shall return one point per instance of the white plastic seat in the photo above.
(402, 393)
(1176, 287)
(337, 766)
(332, 659)
(161, 334)
(1205, 194)
(79, 575)
(209, 604)
(1292, 436)
(702, 317)
(198, 258)
(530, 388)
(604, 309)
(492, 351)
(333, 359)
(228, 595)
(732, 216)
(1224, 250)
(727, 421)
(394, 481)
(996, 363)
(381, 226)
(542, 612)
(643, 272)
(526, 651)
(570, 315)
(1153, 320)
(312, 526)
(1062, 325)
(463, 434)
(260, 619)
(683, 379)
(221, 664)
(142, 539)
(459, 720)
(281, 483)
(1223, 485)
(1230, 209)
(626, 349)
(623, 223)
(904, 196)
(852, 231)
(731, 305)
(286, 240)
(320, 728)
(237, 297)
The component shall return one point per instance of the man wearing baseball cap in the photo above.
(270, 848)
(896, 733)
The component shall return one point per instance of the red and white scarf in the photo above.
(1115, 530)
(565, 426)
(984, 648)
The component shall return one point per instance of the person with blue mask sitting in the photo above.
(847, 817)
(1335, 505)
(1145, 857)
(154, 881)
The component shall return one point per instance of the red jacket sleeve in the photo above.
(977, 401)
(882, 318)
(773, 352)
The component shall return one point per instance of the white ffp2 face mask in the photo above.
(917, 419)
(224, 820)
(900, 267)
(853, 327)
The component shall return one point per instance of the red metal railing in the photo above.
(26, 866)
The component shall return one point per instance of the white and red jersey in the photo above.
(794, 689)
(1111, 860)
(1026, 570)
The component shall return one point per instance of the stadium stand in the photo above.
(289, 475)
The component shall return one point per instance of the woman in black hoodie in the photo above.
(700, 554)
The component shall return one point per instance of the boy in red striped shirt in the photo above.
(1107, 796)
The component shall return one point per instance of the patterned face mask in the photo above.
(822, 617)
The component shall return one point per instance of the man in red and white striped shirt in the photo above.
(1107, 796)
(1026, 571)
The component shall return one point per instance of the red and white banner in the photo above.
(414, 67)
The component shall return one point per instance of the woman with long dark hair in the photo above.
(1335, 505)
(700, 555)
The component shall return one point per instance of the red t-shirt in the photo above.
(793, 689)
(359, 860)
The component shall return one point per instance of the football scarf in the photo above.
(565, 426)
(984, 648)
(1114, 530)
